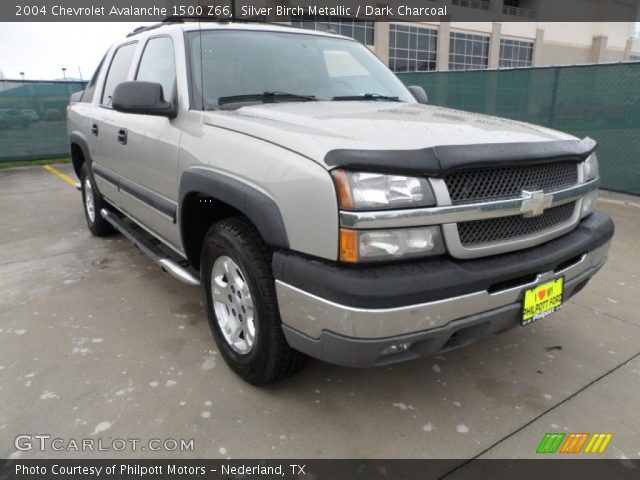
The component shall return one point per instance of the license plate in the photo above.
(542, 300)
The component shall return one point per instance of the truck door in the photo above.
(108, 158)
(141, 150)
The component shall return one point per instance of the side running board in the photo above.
(157, 255)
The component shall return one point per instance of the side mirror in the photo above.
(145, 98)
(76, 97)
(418, 93)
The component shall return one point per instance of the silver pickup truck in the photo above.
(326, 209)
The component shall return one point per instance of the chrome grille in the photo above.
(512, 227)
(496, 182)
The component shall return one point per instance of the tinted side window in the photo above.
(118, 71)
(158, 65)
(87, 95)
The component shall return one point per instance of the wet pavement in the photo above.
(97, 343)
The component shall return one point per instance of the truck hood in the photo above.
(315, 128)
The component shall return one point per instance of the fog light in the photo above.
(411, 242)
(376, 245)
(589, 204)
(399, 348)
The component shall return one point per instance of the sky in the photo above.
(40, 49)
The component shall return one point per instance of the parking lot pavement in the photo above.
(96, 342)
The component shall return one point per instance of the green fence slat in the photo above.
(32, 119)
(598, 101)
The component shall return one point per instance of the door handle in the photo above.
(122, 136)
(94, 129)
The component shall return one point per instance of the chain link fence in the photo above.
(32, 119)
(598, 101)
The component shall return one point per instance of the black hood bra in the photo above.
(440, 160)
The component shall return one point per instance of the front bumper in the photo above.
(354, 316)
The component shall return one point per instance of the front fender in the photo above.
(259, 208)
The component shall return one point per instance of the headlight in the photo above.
(376, 245)
(591, 167)
(376, 191)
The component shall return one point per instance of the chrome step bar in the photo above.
(162, 259)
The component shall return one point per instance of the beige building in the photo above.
(500, 41)
(504, 40)
(471, 45)
(467, 45)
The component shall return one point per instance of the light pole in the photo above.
(22, 75)
(64, 73)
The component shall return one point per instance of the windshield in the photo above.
(250, 64)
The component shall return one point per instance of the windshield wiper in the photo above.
(266, 97)
(367, 96)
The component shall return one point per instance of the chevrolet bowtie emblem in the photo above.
(535, 203)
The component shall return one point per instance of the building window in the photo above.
(359, 30)
(468, 51)
(515, 53)
(412, 49)
(634, 58)
(519, 8)
(478, 4)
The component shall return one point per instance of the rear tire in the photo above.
(242, 306)
(92, 203)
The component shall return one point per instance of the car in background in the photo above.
(52, 115)
(31, 114)
(13, 118)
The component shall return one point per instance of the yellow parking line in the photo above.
(61, 175)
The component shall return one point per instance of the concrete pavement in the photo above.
(97, 343)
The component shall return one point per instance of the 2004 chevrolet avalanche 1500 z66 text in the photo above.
(324, 207)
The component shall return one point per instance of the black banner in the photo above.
(284, 10)
(320, 469)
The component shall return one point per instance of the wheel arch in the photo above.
(79, 152)
(207, 196)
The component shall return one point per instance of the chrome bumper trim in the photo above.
(311, 315)
(459, 213)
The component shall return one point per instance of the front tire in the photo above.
(92, 202)
(242, 307)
